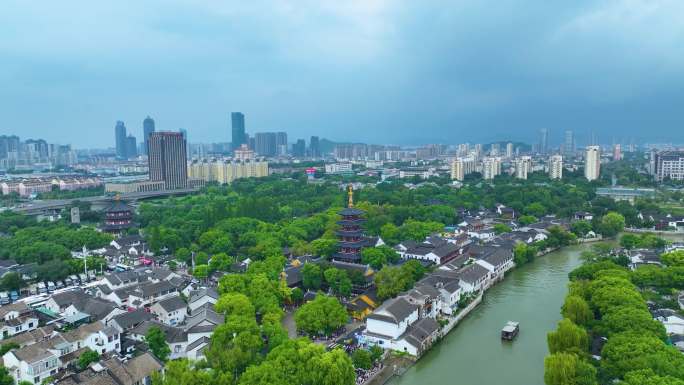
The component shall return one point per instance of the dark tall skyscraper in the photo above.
(148, 128)
(237, 120)
(167, 159)
(314, 147)
(299, 148)
(281, 143)
(8, 144)
(120, 137)
(131, 147)
(265, 143)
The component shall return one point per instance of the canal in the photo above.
(473, 353)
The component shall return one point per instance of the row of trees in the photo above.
(603, 301)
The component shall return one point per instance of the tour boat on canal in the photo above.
(510, 331)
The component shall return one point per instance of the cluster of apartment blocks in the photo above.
(226, 171)
(27, 187)
(111, 317)
(491, 166)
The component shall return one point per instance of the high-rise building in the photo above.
(461, 167)
(569, 143)
(617, 152)
(299, 148)
(556, 167)
(265, 143)
(478, 151)
(281, 143)
(523, 166)
(148, 128)
(491, 167)
(131, 147)
(462, 149)
(592, 162)
(120, 137)
(167, 159)
(8, 144)
(494, 149)
(509, 150)
(224, 171)
(237, 120)
(668, 165)
(314, 147)
(544, 140)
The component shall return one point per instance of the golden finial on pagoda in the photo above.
(350, 193)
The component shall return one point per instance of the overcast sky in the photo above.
(377, 71)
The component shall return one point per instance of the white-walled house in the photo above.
(16, 318)
(474, 278)
(32, 363)
(199, 298)
(171, 311)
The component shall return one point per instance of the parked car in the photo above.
(51, 286)
(42, 289)
(4, 298)
(14, 295)
(68, 282)
(59, 284)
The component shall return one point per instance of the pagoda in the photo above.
(118, 217)
(350, 234)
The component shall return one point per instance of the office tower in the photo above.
(544, 140)
(556, 167)
(299, 148)
(461, 167)
(668, 165)
(265, 143)
(592, 163)
(148, 128)
(491, 167)
(167, 159)
(281, 143)
(131, 147)
(314, 147)
(509, 150)
(237, 120)
(569, 143)
(523, 166)
(120, 137)
(617, 152)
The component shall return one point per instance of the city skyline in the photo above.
(362, 71)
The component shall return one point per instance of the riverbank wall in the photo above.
(453, 321)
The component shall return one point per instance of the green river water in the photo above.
(473, 353)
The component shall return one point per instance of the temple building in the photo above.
(350, 234)
(118, 217)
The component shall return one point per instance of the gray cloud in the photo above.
(381, 71)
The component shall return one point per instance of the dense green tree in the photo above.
(156, 341)
(6, 347)
(311, 276)
(611, 224)
(325, 247)
(377, 257)
(568, 369)
(577, 310)
(622, 319)
(527, 220)
(673, 258)
(362, 359)
(568, 338)
(338, 281)
(181, 372)
(301, 362)
(88, 357)
(234, 304)
(235, 344)
(627, 352)
(322, 316)
(5, 377)
(12, 281)
(647, 377)
(500, 228)
(581, 228)
(201, 271)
